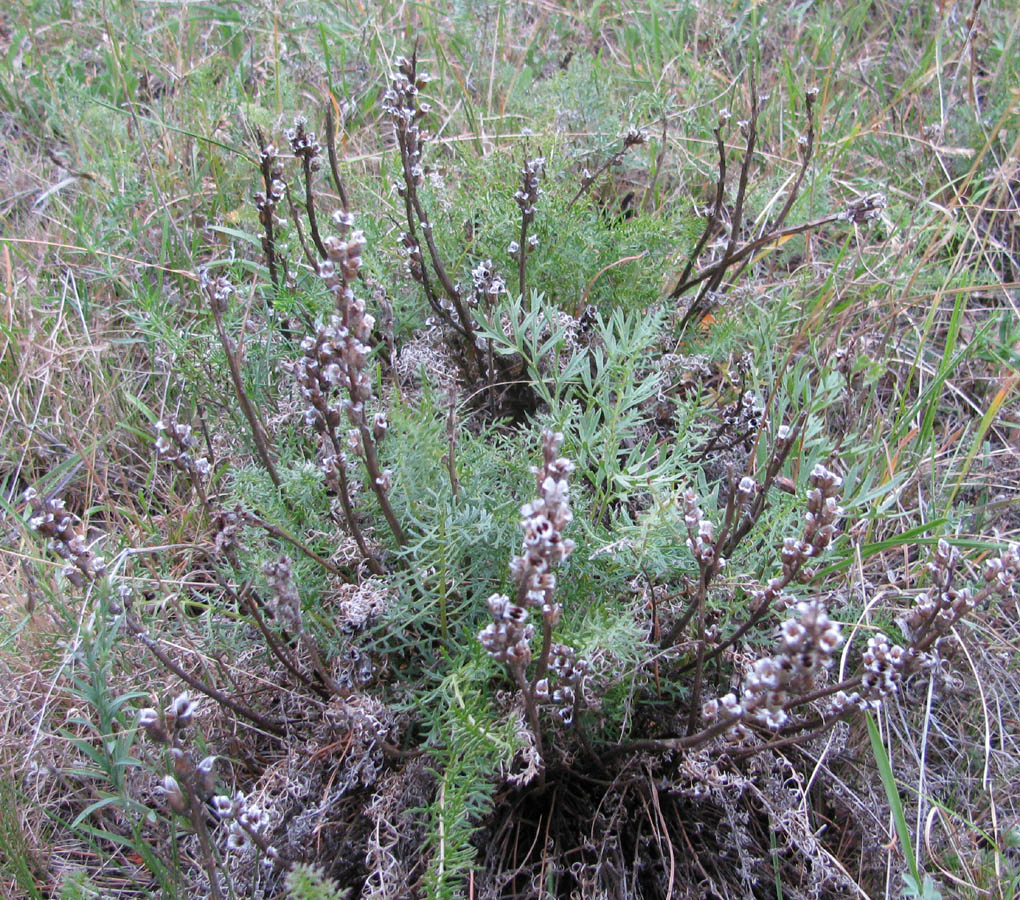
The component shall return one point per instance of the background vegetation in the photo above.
(187, 716)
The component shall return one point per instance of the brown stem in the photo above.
(441, 274)
(731, 504)
(266, 724)
(331, 151)
(196, 812)
(809, 147)
(278, 532)
(260, 842)
(266, 215)
(751, 247)
(729, 545)
(275, 646)
(705, 576)
(313, 654)
(746, 626)
(313, 225)
(712, 277)
(702, 301)
(199, 488)
(745, 171)
(822, 725)
(586, 183)
(415, 211)
(614, 160)
(820, 694)
(310, 257)
(531, 709)
(692, 718)
(671, 636)
(743, 526)
(425, 278)
(713, 217)
(375, 476)
(543, 658)
(343, 490)
(522, 258)
(426, 281)
(257, 428)
(691, 740)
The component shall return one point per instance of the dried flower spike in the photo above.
(508, 637)
(51, 519)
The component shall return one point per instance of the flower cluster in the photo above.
(193, 784)
(543, 521)
(819, 521)
(267, 202)
(175, 443)
(285, 603)
(809, 641)
(217, 289)
(403, 104)
(527, 195)
(344, 256)
(53, 521)
(700, 534)
(168, 728)
(285, 607)
(228, 523)
(400, 103)
(246, 822)
(410, 249)
(927, 626)
(747, 487)
(784, 437)
(935, 612)
(820, 528)
(570, 673)
(322, 368)
(526, 198)
(1003, 571)
(335, 357)
(303, 143)
(507, 638)
(634, 137)
(190, 780)
(345, 340)
(487, 285)
(865, 209)
(745, 413)
(885, 666)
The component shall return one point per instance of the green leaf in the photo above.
(893, 795)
